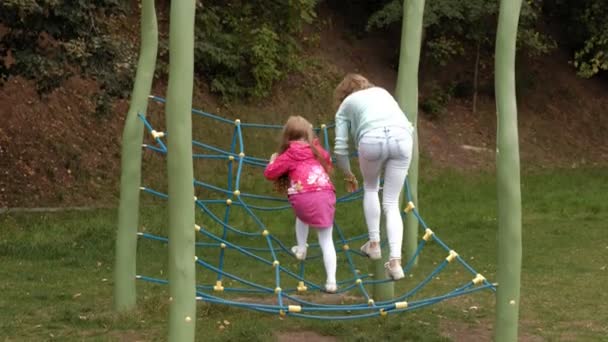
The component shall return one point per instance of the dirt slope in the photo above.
(55, 151)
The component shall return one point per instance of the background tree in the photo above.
(455, 29)
(583, 28)
(243, 47)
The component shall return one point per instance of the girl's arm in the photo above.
(277, 167)
(341, 146)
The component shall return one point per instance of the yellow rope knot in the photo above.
(294, 308)
(218, 286)
(301, 287)
(478, 279)
(451, 256)
(156, 134)
(401, 305)
(427, 234)
(410, 206)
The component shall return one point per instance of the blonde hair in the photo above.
(350, 84)
(298, 128)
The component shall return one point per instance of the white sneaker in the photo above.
(331, 287)
(300, 253)
(373, 253)
(394, 272)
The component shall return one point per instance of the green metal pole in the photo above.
(382, 291)
(130, 178)
(407, 96)
(182, 282)
(508, 175)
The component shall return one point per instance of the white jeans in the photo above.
(388, 148)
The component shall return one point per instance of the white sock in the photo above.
(329, 253)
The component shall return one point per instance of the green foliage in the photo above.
(585, 30)
(450, 26)
(435, 100)
(244, 47)
(50, 40)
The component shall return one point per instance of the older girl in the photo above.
(383, 137)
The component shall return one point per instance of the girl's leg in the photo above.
(370, 163)
(301, 234)
(301, 237)
(394, 177)
(329, 255)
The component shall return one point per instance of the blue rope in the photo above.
(222, 242)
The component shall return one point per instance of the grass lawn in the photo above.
(56, 274)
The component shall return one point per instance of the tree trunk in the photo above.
(130, 177)
(508, 175)
(476, 78)
(182, 282)
(407, 96)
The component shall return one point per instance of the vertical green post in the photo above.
(407, 96)
(382, 291)
(182, 282)
(130, 178)
(508, 175)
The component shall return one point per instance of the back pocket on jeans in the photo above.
(370, 150)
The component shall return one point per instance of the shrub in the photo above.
(243, 47)
(49, 40)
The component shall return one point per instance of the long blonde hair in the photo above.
(298, 128)
(350, 84)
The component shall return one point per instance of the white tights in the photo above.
(327, 247)
(389, 148)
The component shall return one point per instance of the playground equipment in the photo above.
(181, 204)
(284, 282)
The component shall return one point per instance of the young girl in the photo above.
(301, 169)
(383, 136)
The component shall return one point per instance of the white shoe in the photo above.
(373, 253)
(300, 253)
(394, 272)
(331, 287)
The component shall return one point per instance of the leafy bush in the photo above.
(243, 47)
(435, 100)
(49, 40)
(450, 26)
(585, 29)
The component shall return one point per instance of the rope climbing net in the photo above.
(290, 284)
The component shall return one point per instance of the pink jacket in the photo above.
(303, 169)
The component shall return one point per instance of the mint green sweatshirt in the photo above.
(363, 111)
